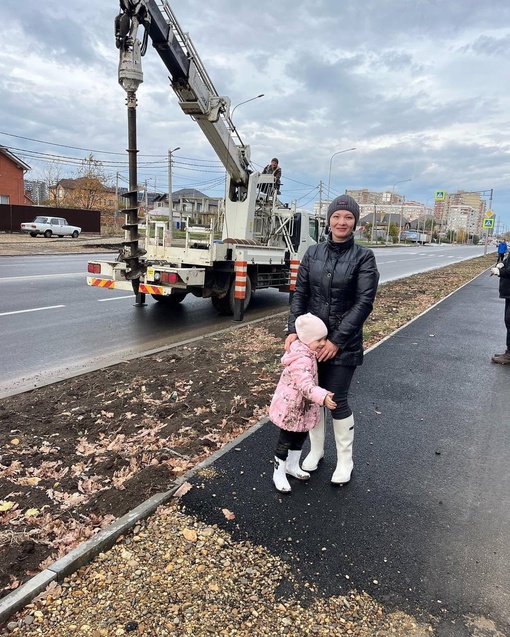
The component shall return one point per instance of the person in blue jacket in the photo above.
(502, 250)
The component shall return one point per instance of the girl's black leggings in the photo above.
(289, 440)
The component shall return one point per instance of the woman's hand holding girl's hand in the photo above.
(290, 338)
(329, 402)
(328, 351)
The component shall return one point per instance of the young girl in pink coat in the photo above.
(295, 407)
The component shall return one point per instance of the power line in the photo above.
(163, 157)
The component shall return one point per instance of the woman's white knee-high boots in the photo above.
(317, 435)
(344, 438)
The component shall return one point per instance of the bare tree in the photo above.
(51, 175)
(91, 185)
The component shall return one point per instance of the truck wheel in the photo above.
(173, 299)
(75, 234)
(225, 305)
(47, 234)
(33, 234)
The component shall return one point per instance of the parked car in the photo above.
(49, 226)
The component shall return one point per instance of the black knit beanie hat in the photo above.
(344, 202)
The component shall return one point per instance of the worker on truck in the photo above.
(274, 169)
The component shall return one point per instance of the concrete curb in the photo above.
(79, 556)
(23, 595)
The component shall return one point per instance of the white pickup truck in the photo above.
(49, 226)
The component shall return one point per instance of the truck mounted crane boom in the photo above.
(189, 78)
(262, 239)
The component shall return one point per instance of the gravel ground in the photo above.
(174, 576)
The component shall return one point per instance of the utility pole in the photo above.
(170, 196)
(388, 227)
(115, 212)
(487, 229)
(320, 198)
(400, 219)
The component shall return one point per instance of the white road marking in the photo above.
(40, 276)
(116, 298)
(35, 309)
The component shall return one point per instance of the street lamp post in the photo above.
(245, 102)
(170, 197)
(232, 126)
(330, 165)
(401, 207)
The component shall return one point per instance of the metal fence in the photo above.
(12, 216)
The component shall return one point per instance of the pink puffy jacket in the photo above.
(295, 404)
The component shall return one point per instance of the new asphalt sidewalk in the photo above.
(424, 524)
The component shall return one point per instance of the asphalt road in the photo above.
(53, 325)
(424, 524)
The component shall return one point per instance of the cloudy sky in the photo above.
(420, 88)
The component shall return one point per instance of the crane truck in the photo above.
(262, 239)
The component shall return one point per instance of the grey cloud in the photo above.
(398, 61)
(487, 45)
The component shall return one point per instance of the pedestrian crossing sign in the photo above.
(440, 195)
(488, 222)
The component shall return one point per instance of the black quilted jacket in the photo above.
(504, 279)
(338, 283)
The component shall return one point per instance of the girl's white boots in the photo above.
(292, 467)
(344, 437)
(316, 435)
(280, 476)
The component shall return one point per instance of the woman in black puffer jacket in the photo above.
(337, 281)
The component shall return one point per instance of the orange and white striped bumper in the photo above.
(101, 283)
(144, 288)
